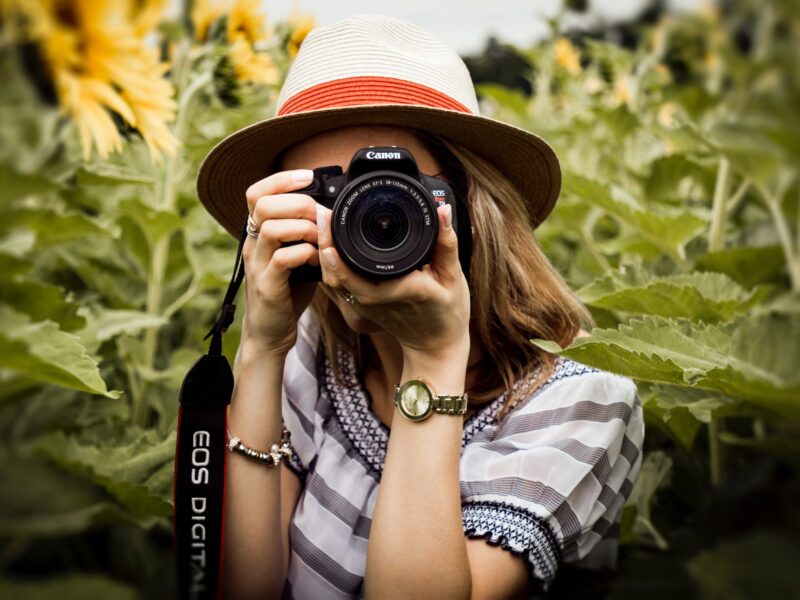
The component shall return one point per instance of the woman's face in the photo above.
(337, 148)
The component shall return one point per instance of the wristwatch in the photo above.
(417, 400)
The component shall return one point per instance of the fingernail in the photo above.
(329, 257)
(302, 175)
(448, 216)
(320, 218)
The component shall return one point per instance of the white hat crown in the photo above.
(343, 62)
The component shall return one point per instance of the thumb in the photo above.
(445, 253)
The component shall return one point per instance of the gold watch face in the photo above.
(415, 400)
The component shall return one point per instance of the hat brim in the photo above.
(248, 155)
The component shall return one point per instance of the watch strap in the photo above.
(450, 404)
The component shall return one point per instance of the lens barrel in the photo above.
(384, 224)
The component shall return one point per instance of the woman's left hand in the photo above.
(426, 310)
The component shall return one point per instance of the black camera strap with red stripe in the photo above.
(200, 456)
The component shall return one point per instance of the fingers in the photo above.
(285, 259)
(278, 183)
(444, 262)
(285, 206)
(338, 275)
(335, 273)
(275, 232)
(269, 205)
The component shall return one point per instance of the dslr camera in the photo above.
(384, 222)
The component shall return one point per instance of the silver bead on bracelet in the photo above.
(272, 458)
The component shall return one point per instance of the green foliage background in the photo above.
(679, 225)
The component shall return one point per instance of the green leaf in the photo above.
(637, 520)
(701, 404)
(42, 352)
(754, 358)
(749, 266)
(506, 98)
(55, 227)
(683, 411)
(52, 502)
(667, 173)
(110, 174)
(70, 587)
(18, 185)
(40, 301)
(628, 244)
(667, 227)
(103, 324)
(751, 152)
(155, 224)
(700, 296)
(620, 121)
(125, 471)
(108, 275)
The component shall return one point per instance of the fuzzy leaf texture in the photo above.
(44, 353)
(702, 296)
(752, 358)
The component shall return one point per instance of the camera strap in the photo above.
(200, 458)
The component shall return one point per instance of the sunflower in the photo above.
(567, 56)
(245, 30)
(247, 26)
(96, 56)
(300, 26)
(204, 13)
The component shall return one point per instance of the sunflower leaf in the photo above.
(754, 358)
(132, 472)
(667, 227)
(705, 296)
(45, 353)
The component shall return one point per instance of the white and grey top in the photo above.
(547, 483)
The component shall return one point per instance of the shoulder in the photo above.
(580, 391)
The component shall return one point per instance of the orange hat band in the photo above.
(352, 91)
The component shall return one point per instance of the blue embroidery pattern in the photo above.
(515, 530)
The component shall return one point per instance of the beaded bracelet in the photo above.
(272, 458)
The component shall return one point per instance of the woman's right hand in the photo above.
(273, 307)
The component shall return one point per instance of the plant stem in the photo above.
(182, 299)
(716, 235)
(715, 450)
(716, 242)
(160, 251)
(737, 196)
(588, 239)
(785, 235)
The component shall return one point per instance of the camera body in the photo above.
(384, 222)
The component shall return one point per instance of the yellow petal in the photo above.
(246, 19)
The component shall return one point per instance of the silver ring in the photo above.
(349, 298)
(252, 228)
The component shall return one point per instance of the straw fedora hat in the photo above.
(374, 70)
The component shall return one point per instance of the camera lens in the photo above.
(384, 222)
(384, 225)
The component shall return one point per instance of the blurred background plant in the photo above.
(679, 225)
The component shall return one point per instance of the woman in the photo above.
(482, 504)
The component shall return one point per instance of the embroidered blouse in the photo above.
(547, 483)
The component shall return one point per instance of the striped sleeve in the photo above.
(548, 483)
(300, 394)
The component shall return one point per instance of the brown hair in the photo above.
(515, 292)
